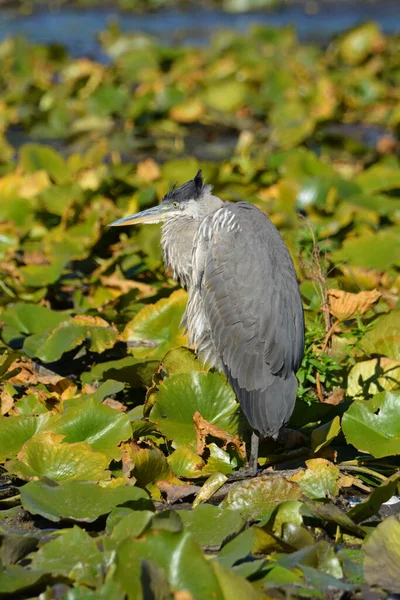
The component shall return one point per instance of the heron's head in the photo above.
(193, 199)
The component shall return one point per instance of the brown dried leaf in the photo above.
(31, 374)
(335, 398)
(115, 404)
(345, 305)
(148, 170)
(204, 428)
(173, 492)
(6, 402)
(126, 285)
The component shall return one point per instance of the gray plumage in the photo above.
(244, 314)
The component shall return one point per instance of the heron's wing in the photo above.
(253, 307)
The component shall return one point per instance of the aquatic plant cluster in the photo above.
(115, 440)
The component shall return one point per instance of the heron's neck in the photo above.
(177, 243)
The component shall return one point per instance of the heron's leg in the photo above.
(251, 470)
(253, 459)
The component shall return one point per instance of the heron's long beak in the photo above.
(156, 214)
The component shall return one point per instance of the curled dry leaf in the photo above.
(6, 403)
(30, 373)
(204, 428)
(115, 404)
(335, 397)
(345, 305)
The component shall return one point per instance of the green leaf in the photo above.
(373, 425)
(174, 552)
(37, 276)
(35, 157)
(370, 377)
(182, 360)
(232, 585)
(384, 336)
(319, 556)
(45, 455)
(356, 45)
(379, 178)
(131, 525)
(370, 507)
(382, 556)
(323, 435)
(19, 579)
(32, 318)
(100, 426)
(257, 498)
(78, 500)
(156, 328)
(181, 395)
(372, 251)
(320, 479)
(211, 525)
(186, 463)
(225, 96)
(50, 346)
(73, 554)
(15, 431)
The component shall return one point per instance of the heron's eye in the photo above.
(175, 204)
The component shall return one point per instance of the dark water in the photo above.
(78, 29)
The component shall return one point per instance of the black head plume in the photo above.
(191, 190)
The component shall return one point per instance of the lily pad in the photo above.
(181, 395)
(73, 554)
(382, 556)
(45, 455)
(258, 498)
(78, 500)
(51, 345)
(156, 328)
(373, 425)
(211, 525)
(18, 430)
(384, 336)
(100, 426)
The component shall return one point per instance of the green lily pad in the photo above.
(232, 585)
(177, 554)
(156, 328)
(370, 377)
(356, 45)
(32, 318)
(211, 525)
(186, 463)
(35, 157)
(372, 251)
(181, 395)
(73, 554)
(382, 556)
(258, 498)
(370, 507)
(78, 500)
(16, 431)
(226, 95)
(373, 425)
(321, 479)
(100, 426)
(51, 345)
(131, 525)
(384, 337)
(45, 455)
(19, 579)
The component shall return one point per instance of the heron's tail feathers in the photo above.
(268, 410)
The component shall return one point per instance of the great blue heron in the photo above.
(244, 313)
